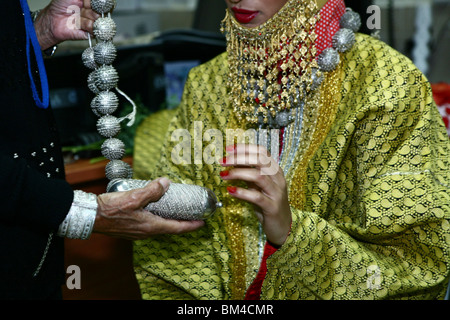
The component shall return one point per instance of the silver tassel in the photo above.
(180, 202)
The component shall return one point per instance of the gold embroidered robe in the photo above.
(369, 196)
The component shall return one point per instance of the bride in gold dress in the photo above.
(356, 204)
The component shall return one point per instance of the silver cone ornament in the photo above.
(180, 202)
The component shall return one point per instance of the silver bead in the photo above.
(343, 39)
(106, 78)
(102, 6)
(316, 78)
(118, 169)
(283, 118)
(91, 82)
(105, 29)
(105, 53)
(260, 120)
(113, 149)
(94, 107)
(106, 102)
(88, 59)
(328, 59)
(108, 126)
(350, 20)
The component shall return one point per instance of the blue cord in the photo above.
(33, 40)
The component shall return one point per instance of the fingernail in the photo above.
(224, 173)
(224, 160)
(230, 148)
(164, 182)
(231, 189)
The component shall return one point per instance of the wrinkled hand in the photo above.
(121, 214)
(64, 20)
(267, 189)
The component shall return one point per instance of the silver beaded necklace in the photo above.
(102, 81)
(181, 201)
(328, 60)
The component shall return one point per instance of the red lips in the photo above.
(244, 16)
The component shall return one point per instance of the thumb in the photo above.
(164, 182)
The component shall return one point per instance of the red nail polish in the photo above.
(231, 189)
(230, 148)
(224, 173)
(224, 160)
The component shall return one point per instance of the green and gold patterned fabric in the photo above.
(369, 195)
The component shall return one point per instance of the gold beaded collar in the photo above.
(271, 66)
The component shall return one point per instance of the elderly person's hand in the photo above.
(121, 214)
(266, 190)
(64, 20)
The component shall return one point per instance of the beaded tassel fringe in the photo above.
(275, 61)
(274, 67)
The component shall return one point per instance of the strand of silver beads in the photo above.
(102, 80)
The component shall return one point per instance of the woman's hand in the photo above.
(266, 188)
(64, 20)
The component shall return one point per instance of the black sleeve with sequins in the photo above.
(33, 191)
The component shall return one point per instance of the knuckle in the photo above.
(259, 198)
(261, 179)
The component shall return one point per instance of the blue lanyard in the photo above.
(32, 40)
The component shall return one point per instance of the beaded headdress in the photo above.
(272, 66)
